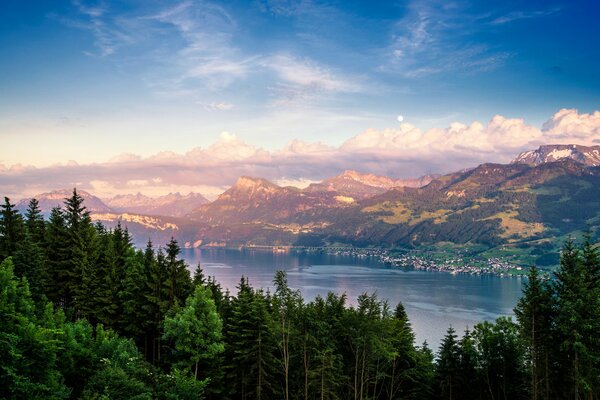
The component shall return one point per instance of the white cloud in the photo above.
(405, 151)
(568, 124)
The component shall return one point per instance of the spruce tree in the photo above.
(57, 258)
(77, 223)
(534, 312)
(571, 287)
(447, 368)
(34, 220)
(12, 229)
(179, 282)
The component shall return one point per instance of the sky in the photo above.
(164, 96)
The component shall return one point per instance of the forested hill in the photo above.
(85, 315)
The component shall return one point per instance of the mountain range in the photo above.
(528, 206)
(172, 204)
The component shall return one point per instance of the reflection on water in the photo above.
(433, 300)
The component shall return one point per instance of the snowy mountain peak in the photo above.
(587, 155)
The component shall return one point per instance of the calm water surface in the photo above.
(433, 300)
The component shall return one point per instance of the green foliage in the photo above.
(12, 229)
(138, 327)
(195, 332)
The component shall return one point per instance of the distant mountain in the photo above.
(531, 204)
(251, 199)
(143, 227)
(56, 198)
(357, 186)
(517, 205)
(171, 205)
(588, 155)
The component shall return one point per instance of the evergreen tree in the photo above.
(468, 385)
(12, 229)
(570, 287)
(157, 300)
(591, 265)
(34, 220)
(179, 282)
(78, 223)
(57, 258)
(250, 346)
(286, 303)
(447, 368)
(534, 312)
(402, 357)
(501, 359)
(29, 262)
(28, 349)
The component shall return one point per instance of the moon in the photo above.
(400, 118)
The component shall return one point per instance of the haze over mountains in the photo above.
(526, 203)
(172, 204)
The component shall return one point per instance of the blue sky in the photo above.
(87, 81)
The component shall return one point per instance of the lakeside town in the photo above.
(416, 259)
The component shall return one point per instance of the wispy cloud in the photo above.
(301, 80)
(110, 33)
(519, 15)
(435, 37)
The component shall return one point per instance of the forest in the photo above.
(86, 315)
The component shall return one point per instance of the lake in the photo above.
(433, 300)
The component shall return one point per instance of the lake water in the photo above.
(433, 300)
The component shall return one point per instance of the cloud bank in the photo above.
(404, 151)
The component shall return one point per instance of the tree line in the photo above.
(86, 315)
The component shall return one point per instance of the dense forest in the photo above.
(86, 315)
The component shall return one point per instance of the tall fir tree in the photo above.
(447, 368)
(12, 229)
(34, 220)
(535, 314)
(57, 257)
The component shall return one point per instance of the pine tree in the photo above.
(157, 299)
(250, 346)
(590, 259)
(402, 357)
(34, 220)
(29, 262)
(447, 368)
(570, 287)
(286, 303)
(12, 229)
(179, 282)
(78, 222)
(534, 312)
(57, 258)
(467, 378)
